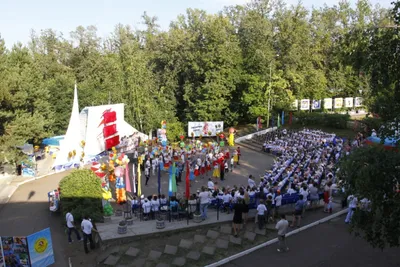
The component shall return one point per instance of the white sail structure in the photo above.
(71, 144)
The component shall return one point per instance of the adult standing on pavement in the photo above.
(71, 226)
(282, 227)
(204, 202)
(87, 228)
(238, 216)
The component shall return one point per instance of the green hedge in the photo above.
(338, 121)
(81, 192)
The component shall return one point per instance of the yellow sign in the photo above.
(41, 245)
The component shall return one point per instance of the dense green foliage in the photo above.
(81, 192)
(373, 173)
(335, 121)
(224, 66)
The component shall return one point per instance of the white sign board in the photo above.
(327, 103)
(205, 128)
(316, 104)
(358, 101)
(305, 104)
(338, 102)
(348, 102)
(295, 105)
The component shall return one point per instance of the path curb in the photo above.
(272, 241)
(22, 183)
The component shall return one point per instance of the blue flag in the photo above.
(283, 117)
(170, 193)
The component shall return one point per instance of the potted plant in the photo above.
(197, 216)
(122, 227)
(129, 220)
(107, 212)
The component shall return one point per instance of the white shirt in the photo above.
(278, 201)
(210, 185)
(155, 205)
(70, 220)
(87, 226)
(261, 209)
(282, 227)
(251, 183)
(352, 201)
(227, 198)
(204, 197)
(146, 207)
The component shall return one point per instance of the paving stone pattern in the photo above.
(179, 261)
(161, 264)
(171, 250)
(187, 244)
(209, 250)
(235, 240)
(226, 229)
(193, 255)
(112, 260)
(212, 234)
(250, 236)
(132, 252)
(139, 262)
(220, 243)
(154, 255)
(199, 239)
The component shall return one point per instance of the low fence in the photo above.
(250, 136)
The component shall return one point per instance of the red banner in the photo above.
(109, 117)
(113, 141)
(109, 130)
(187, 181)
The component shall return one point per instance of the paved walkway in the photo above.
(325, 245)
(194, 246)
(27, 210)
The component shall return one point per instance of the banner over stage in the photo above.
(205, 128)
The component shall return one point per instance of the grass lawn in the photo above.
(347, 133)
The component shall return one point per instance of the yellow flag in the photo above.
(139, 184)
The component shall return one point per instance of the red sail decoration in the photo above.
(112, 141)
(109, 130)
(109, 117)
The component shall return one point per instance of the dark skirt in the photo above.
(237, 219)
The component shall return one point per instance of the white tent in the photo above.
(88, 126)
(92, 130)
(71, 141)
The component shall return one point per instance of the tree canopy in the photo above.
(221, 66)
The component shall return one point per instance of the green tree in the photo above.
(373, 173)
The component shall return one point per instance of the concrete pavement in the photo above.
(328, 244)
(27, 210)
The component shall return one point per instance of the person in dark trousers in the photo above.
(222, 171)
(87, 228)
(71, 226)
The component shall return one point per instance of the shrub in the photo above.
(81, 193)
(338, 121)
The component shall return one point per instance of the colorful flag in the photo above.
(283, 117)
(134, 178)
(170, 193)
(187, 180)
(139, 184)
(174, 178)
(290, 118)
(159, 177)
(279, 122)
(127, 180)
